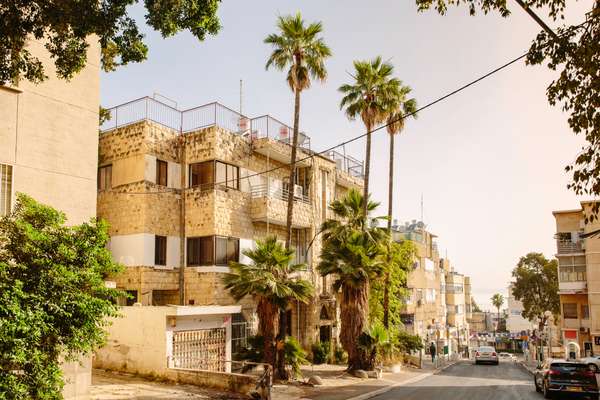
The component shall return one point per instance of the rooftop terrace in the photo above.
(216, 114)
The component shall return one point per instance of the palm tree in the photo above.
(268, 279)
(397, 109)
(497, 301)
(367, 96)
(299, 48)
(351, 253)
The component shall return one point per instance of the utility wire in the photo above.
(402, 117)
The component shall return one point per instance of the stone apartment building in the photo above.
(425, 310)
(185, 192)
(49, 150)
(578, 254)
(457, 292)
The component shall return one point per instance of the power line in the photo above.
(402, 117)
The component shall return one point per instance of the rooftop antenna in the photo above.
(422, 208)
(241, 94)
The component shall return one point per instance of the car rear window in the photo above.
(487, 349)
(569, 367)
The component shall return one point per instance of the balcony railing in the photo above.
(268, 127)
(275, 193)
(568, 246)
(349, 165)
(147, 108)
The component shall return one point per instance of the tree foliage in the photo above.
(64, 26)
(536, 286)
(574, 51)
(352, 254)
(397, 259)
(53, 300)
(268, 279)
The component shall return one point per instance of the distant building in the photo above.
(516, 323)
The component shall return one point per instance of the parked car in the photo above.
(506, 357)
(486, 354)
(593, 362)
(561, 376)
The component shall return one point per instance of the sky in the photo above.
(488, 162)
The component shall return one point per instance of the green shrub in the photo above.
(340, 355)
(295, 356)
(320, 352)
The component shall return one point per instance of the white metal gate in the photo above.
(202, 349)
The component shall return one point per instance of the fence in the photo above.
(268, 127)
(348, 164)
(147, 108)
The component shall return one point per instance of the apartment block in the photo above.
(187, 191)
(456, 306)
(516, 324)
(425, 310)
(49, 151)
(578, 254)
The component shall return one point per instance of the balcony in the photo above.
(350, 171)
(269, 205)
(272, 138)
(572, 287)
(575, 323)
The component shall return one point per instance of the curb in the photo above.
(386, 389)
(526, 368)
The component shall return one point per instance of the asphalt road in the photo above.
(466, 381)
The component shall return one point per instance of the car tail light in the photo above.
(589, 373)
(553, 372)
(494, 354)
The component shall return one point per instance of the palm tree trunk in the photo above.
(354, 307)
(386, 287)
(281, 372)
(367, 171)
(290, 199)
(268, 319)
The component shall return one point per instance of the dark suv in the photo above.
(560, 376)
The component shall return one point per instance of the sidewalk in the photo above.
(347, 387)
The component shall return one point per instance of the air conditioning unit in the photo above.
(298, 191)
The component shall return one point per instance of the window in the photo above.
(585, 311)
(132, 297)
(208, 173)
(570, 310)
(162, 168)
(572, 273)
(5, 189)
(212, 250)
(324, 194)
(160, 250)
(301, 246)
(105, 177)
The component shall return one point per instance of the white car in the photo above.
(506, 357)
(486, 354)
(593, 362)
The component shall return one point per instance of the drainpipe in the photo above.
(182, 145)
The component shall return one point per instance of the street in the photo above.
(467, 381)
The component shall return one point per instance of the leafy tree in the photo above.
(54, 303)
(406, 342)
(498, 301)
(398, 259)
(397, 108)
(300, 50)
(269, 280)
(475, 307)
(536, 286)
(574, 50)
(367, 97)
(351, 253)
(64, 26)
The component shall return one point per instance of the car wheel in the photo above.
(547, 393)
(535, 383)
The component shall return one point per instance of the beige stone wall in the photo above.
(49, 134)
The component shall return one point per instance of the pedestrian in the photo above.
(433, 352)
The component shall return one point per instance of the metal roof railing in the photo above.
(348, 164)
